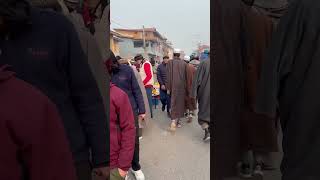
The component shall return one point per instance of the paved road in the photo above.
(268, 175)
(179, 156)
(276, 159)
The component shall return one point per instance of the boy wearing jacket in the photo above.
(122, 133)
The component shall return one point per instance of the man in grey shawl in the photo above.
(201, 91)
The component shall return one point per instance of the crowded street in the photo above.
(163, 70)
(167, 156)
(151, 90)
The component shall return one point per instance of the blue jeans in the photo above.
(165, 99)
(149, 95)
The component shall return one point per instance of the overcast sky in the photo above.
(184, 22)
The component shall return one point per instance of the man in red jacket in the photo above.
(122, 133)
(32, 135)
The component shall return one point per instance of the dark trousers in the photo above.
(204, 124)
(149, 95)
(165, 99)
(83, 170)
(136, 158)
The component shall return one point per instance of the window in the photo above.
(137, 44)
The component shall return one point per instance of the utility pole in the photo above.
(144, 42)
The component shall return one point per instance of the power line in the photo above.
(119, 24)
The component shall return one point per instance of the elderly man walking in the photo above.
(176, 87)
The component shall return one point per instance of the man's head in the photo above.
(112, 64)
(138, 59)
(152, 61)
(186, 59)
(165, 59)
(177, 53)
(118, 58)
(196, 58)
(123, 61)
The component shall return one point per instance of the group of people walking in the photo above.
(55, 82)
(181, 84)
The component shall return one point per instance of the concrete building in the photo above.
(168, 49)
(132, 43)
(115, 39)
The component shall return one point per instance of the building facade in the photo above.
(115, 39)
(132, 43)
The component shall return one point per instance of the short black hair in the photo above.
(152, 61)
(177, 54)
(166, 57)
(138, 57)
(118, 57)
(115, 65)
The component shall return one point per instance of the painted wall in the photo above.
(127, 49)
(138, 34)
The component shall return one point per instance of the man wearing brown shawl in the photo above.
(239, 47)
(176, 87)
(258, 132)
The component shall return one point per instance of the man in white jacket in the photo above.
(145, 69)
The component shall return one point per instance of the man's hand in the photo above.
(163, 87)
(122, 172)
(142, 116)
(102, 173)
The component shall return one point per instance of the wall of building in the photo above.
(127, 49)
(151, 36)
(133, 44)
(114, 45)
(138, 34)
